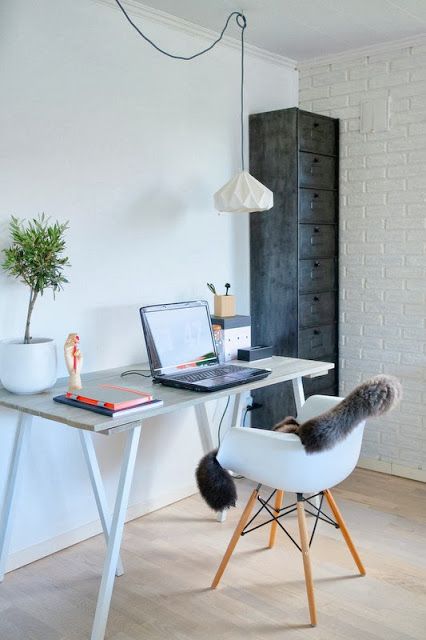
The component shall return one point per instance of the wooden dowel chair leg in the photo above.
(277, 506)
(343, 528)
(304, 543)
(235, 537)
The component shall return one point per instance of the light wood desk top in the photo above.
(43, 406)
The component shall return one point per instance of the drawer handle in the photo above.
(316, 124)
(316, 298)
(314, 197)
(316, 264)
(317, 332)
(316, 230)
(315, 160)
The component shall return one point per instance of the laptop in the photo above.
(182, 352)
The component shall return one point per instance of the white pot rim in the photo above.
(20, 342)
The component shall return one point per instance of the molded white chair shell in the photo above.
(279, 460)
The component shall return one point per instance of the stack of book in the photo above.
(109, 400)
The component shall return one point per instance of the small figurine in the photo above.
(73, 360)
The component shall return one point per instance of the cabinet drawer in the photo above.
(316, 343)
(317, 275)
(317, 309)
(317, 240)
(317, 171)
(317, 206)
(322, 384)
(317, 134)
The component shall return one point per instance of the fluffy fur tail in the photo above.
(370, 399)
(215, 483)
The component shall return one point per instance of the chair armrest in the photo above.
(315, 405)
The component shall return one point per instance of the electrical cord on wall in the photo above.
(241, 21)
(245, 416)
(218, 432)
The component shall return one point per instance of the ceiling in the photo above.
(302, 29)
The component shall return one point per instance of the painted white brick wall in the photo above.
(382, 239)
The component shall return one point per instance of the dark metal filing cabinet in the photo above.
(294, 249)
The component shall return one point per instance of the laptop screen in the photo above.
(178, 336)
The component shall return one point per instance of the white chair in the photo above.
(279, 461)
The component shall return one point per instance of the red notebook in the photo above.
(110, 396)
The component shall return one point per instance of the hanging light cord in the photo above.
(241, 21)
(242, 27)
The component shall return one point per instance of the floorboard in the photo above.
(170, 558)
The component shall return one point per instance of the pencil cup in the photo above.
(224, 306)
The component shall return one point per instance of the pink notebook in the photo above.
(110, 396)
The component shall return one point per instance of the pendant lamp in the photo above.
(243, 193)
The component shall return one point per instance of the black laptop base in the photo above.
(214, 384)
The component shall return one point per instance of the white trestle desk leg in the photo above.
(89, 452)
(237, 410)
(116, 534)
(221, 515)
(204, 427)
(237, 413)
(298, 393)
(12, 484)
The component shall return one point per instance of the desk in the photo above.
(42, 405)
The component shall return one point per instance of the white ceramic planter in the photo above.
(28, 368)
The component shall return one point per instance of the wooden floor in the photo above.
(170, 557)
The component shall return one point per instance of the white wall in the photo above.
(383, 237)
(99, 129)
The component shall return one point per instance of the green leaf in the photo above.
(35, 256)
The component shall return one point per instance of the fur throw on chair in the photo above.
(370, 399)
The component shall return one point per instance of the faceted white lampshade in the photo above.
(243, 194)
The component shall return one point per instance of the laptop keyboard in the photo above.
(211, 373)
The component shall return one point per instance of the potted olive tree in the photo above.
(35, 258)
